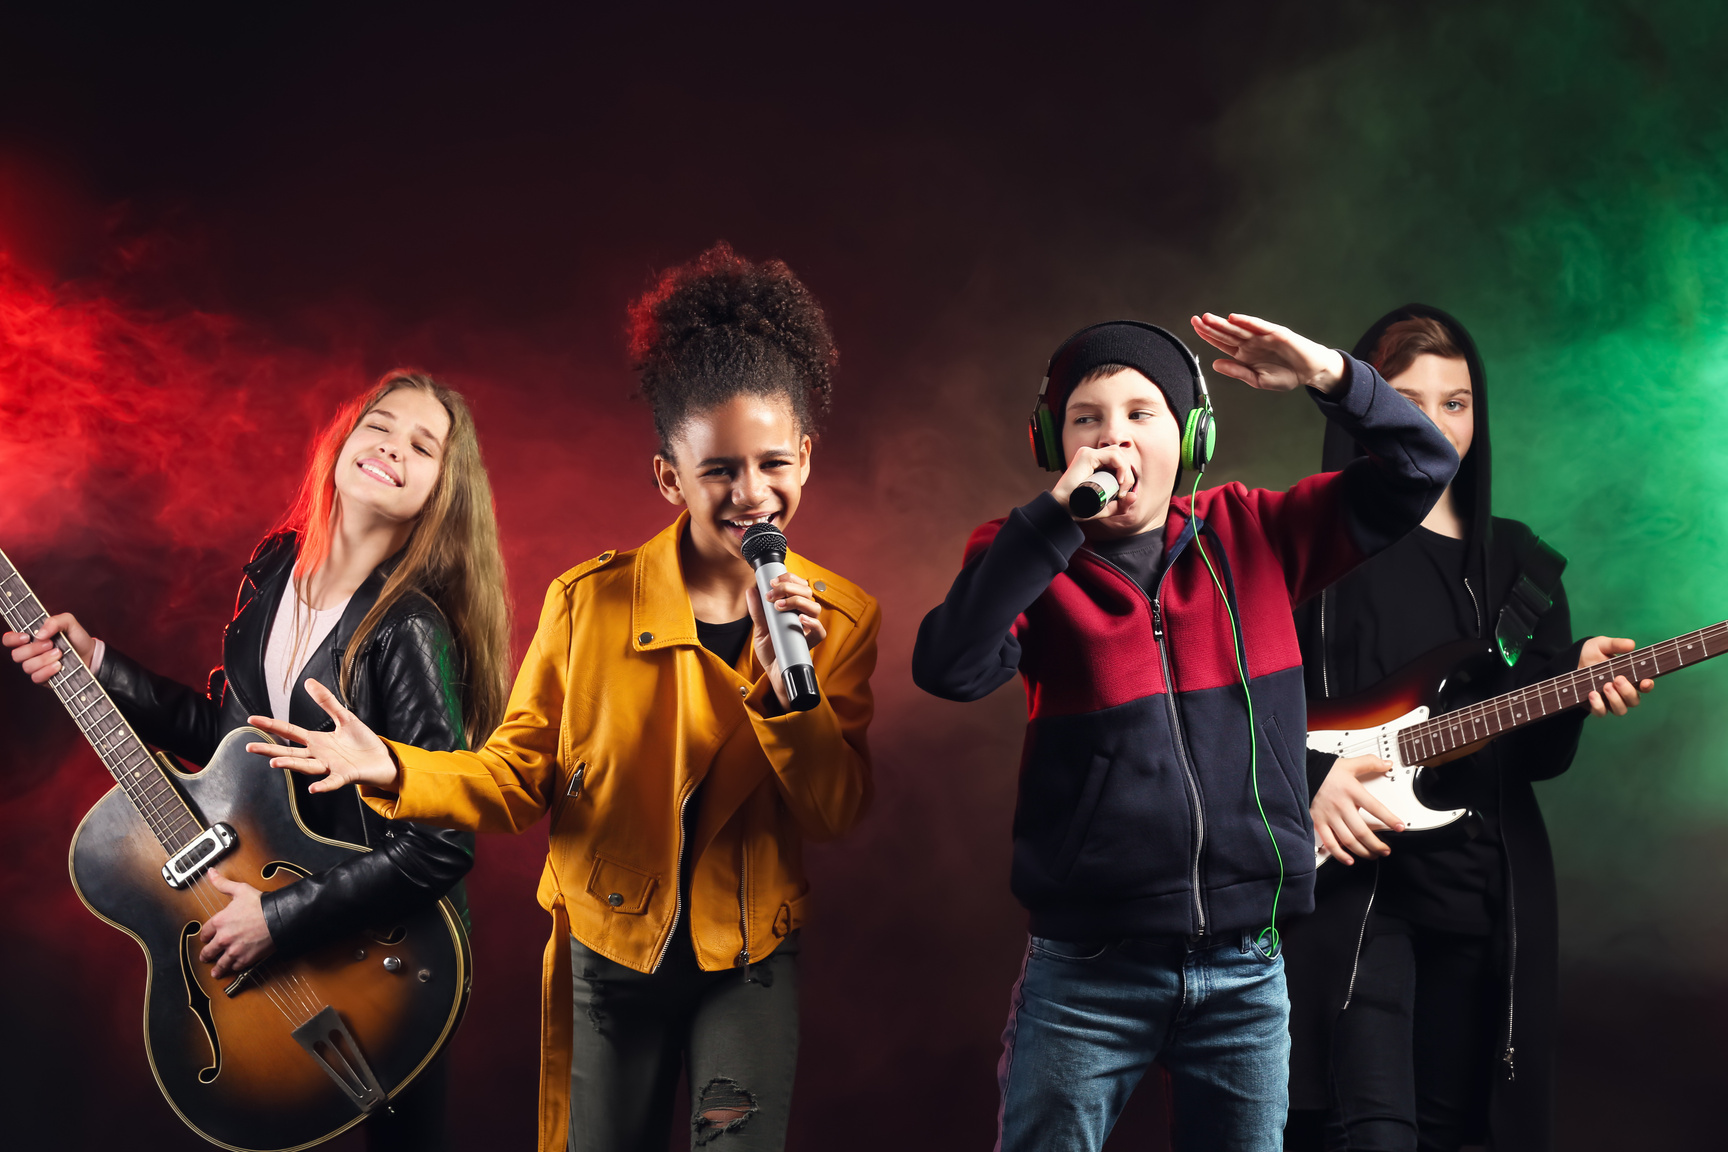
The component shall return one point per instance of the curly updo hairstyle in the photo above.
(721, 326)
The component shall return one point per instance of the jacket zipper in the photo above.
(1188, 778)
(1512, 949)
(1361, 936)
(1506, 1057)
(677, 887)
(743, 959)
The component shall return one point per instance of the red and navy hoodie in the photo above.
(1136, 813)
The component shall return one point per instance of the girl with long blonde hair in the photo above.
(385, 580)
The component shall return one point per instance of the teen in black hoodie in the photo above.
(1422, 988)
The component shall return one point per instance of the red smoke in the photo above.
(141, 456)
(143, 452)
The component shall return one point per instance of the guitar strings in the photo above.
(1577, 684)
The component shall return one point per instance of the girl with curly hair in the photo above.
(651, 721)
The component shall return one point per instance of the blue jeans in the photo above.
(1087, 1019)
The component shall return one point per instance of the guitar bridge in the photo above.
(327, 1039)
(186, 865)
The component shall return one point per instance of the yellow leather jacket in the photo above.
(618, 714)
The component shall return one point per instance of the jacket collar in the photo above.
(660, 614)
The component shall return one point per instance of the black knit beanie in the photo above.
(1147, 348)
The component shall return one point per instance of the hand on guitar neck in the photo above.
(37, 653)
(1620, 695)
(351, 753)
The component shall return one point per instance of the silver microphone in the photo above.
(765, 549)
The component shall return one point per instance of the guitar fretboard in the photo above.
(1431, 739)
(124, 755)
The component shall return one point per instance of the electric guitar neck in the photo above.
(1440, 739)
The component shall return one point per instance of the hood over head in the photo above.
(1471, 488)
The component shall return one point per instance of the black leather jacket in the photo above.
(406, 687)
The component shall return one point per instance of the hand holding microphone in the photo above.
(790, 616)
(1095, 478)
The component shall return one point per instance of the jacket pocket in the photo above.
(1281, 797)
(621, 887)
(1081, 821)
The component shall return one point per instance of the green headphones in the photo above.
(1199, 430)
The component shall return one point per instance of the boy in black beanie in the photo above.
(1161, 822)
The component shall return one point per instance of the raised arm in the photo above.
(1326, 525)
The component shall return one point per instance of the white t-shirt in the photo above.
(290, 647)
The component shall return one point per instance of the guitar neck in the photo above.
(91, 708)
(1432, 739)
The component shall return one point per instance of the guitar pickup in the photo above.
(186, 865)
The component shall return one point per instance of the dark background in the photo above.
(216, 223)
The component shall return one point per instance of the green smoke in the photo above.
(1556, 175)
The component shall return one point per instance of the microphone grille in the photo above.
(763, 542)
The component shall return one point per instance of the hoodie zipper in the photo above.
(1512, 948)
(1188, 777)
(677, 887)
(1476, 604)
(1507, 1056)
(1325, 677)
(1187, 768)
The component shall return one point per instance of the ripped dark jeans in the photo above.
(736, 1036)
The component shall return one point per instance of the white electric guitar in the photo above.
(1414, 719)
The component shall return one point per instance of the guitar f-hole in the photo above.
(197, 1002)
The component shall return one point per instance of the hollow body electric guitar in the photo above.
(1427, 714)
(295, 1049)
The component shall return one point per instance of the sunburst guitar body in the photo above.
(229, 1061)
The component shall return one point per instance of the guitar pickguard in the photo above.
(1396, 789)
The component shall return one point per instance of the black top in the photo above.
(1141, 556)
(1417, 600)
(725, 640)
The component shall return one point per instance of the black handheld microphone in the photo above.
(1090, 498)
(765, 548)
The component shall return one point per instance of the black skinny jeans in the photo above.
(734, 1032)
(1411, 1055)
